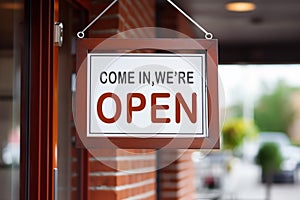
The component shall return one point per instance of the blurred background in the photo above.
(259, 55)
(260, 154)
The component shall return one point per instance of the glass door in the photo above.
(73, 17)
(11, 29)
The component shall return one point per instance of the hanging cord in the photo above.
(80, 34)
(208, 35)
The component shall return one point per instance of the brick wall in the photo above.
(177, 180)
(124, 15)
(122, 174)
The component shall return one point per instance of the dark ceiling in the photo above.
(269, 34)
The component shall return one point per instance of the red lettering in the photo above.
(179, 102)
(191, 114)
(155, 107)
(130, 108)
(100, 105)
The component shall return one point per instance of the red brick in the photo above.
(107, 166)
(102, 180)
(102, 194)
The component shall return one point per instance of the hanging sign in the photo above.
(147, 100)
(155, 95)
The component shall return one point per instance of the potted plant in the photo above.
(269, 158)
(235, 131)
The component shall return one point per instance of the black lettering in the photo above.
(112, 77)
(101, 77)
(160, 77)
(181, 77)
(190, 77)
(170, 77)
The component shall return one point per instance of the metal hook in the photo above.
(80, 34)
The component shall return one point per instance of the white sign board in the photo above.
(147, 95)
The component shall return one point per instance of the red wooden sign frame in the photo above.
(85, 46)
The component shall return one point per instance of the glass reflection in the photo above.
(12, 20)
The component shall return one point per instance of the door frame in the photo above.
(39, 99)
(38, 105)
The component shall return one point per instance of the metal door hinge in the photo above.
(58, 34)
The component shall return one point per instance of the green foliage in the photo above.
(273, 111)
(269, 157)
(235, 131)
